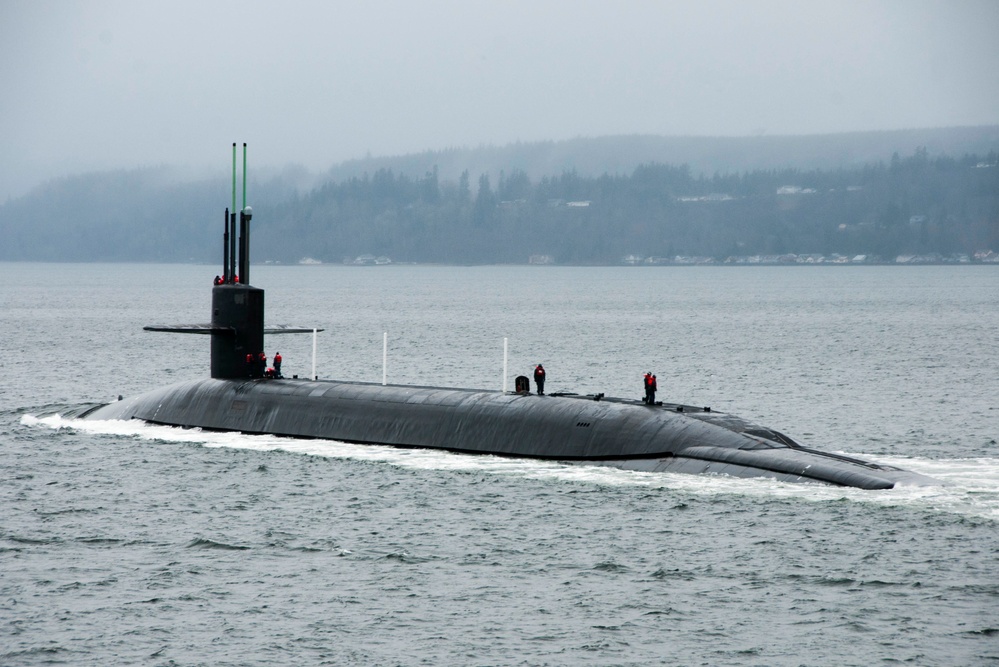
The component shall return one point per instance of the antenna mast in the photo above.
(232, 221)
(244, 226)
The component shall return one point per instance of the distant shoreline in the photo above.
(720, 264)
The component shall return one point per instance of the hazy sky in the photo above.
(100, 84)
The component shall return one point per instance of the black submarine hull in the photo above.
(582, 429)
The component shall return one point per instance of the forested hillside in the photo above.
(910, 205)
(619, 155)
(916, 202)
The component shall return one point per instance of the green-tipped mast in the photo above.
(244, 178)
(237, 270)
(231, 268)
(244, 229)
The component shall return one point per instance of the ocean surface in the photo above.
(128, 544)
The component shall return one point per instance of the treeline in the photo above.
(908, 204)
(620, 155)
(914, 204)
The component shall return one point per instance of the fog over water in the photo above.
(113, 84)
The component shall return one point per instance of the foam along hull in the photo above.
(614, 432)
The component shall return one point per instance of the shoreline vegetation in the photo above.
(989, 259)
(917, 208)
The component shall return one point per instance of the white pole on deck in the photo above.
(504, 363)
(384, 358)
(314, 333)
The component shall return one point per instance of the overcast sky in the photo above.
(99, 84)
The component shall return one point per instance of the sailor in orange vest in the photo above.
(249, 365)
(261, 364)
(277, 364)
(647, 381)
(653, 385)
(539, 379)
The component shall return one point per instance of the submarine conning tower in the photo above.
(237, 308)
(237, 330)
(237, 326)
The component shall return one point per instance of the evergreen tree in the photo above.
(485, 202)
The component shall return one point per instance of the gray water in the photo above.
(123, 543)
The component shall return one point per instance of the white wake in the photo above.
(972, 485)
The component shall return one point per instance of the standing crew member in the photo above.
(652, 390)
(261, 364)
(539, 378)
(249, 365)
(277, 364)
(647, 383)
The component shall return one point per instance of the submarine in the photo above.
(241, 396)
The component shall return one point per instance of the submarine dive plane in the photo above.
(593, 429)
